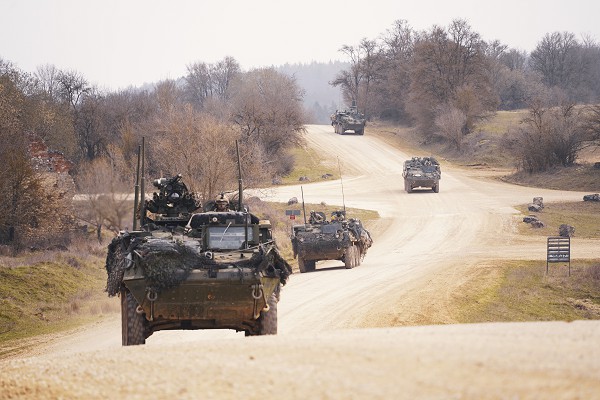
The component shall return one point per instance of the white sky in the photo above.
(117, 43)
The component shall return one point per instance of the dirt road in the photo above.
(327, 346)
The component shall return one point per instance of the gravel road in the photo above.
(334, 338)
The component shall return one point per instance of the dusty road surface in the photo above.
(335, 339)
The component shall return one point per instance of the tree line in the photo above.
(446, 79)
(190, 124)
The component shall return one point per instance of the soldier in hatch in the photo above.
(221, 204)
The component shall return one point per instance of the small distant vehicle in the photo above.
(422, 172)
(348, 120)
(336, 239)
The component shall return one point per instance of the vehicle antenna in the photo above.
(136, 196)
(342, 183)
(143, 186)
(240, 189)
(240, 195)
(303, 207)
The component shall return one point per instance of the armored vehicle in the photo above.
(348, 120)
(337, 239)
(422, 172)
(190, 269)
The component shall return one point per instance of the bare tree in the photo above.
(391, 90)
(197, 146)
(205, 81)
(351, 79)
(451, 123)
(449, 67)
(550, 137)
(266, 108)
(107, 196)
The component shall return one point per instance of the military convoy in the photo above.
(195, 269)
(337, 239)
(348, 120)
(422, 172)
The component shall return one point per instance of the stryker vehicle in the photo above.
(348, 120)
(338, 239)
(423, 172)
(195, 270)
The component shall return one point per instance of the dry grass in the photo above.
(309, 163)
(584, 216)
(51, 291)
(522, 291)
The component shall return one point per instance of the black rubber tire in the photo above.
(268, 319)
(306, 265)
(133, 325)
(302, 265)
(350, 257)
(436, 188)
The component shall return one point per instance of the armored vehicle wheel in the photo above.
(306, 265)
(436, 187)
(360, 131)
(302, 265)
(358, 256)
(133, 325)
(268, 319)
(350, 257)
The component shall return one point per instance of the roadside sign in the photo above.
(292, 213)
(558, 250)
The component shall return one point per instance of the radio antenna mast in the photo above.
(303, 207)
(342, 183)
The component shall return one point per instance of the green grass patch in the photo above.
(50, 296)
(308, 163)
(583, 215)
(522, 291)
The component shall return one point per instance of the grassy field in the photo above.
(511, 291)
(583, 215)
(308, 163)
(42, 293)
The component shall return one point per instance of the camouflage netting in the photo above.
(116, 263)
(167, 263)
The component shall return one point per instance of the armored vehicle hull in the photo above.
(348, 120)
(223, 271)
(421, 172)
(346, 241)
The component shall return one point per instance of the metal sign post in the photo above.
(559, 250)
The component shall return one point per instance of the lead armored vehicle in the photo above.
(335, 239)
(422, 172)
(348, 120)
(186, 269)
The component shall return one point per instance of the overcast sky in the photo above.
(117, 43)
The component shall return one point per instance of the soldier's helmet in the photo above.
(221, 199)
